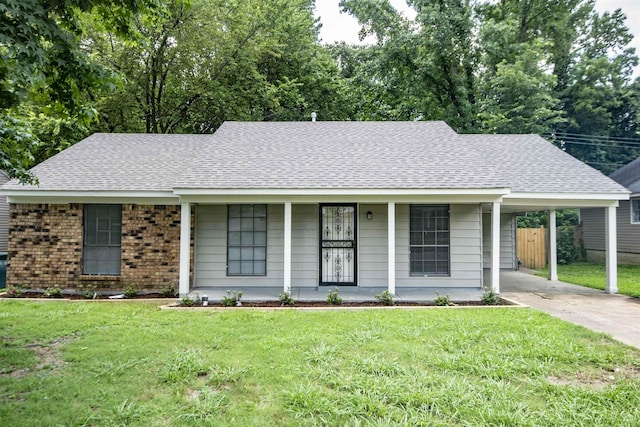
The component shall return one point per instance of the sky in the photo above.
(338, 26)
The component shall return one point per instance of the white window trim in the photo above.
(634, 199)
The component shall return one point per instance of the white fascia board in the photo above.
(58, 197)
(540, 203)
(343, 195)
(569, 196)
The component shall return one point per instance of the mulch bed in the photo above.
(319, 304)
(40, 295)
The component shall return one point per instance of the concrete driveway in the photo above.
(616, 315)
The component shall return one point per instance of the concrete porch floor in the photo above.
(348, 293)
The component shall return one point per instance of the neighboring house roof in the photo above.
(629, 176)
(318, 155)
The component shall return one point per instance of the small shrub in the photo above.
(232, 299)
(333, 298)
(442, 300)
(53, 292)
(131, 291)
(286, 299)
(15, 291)
(386, 298)
(169, 291)
(89, 293)
(490, 298)
(190, 300)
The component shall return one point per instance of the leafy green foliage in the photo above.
(333, 297)
(190, 300)
(131, 291)
(442, 300)
(285, 298)
(41, 62)
(53, 292)
(232, 299)
(490, 298)
(385, 298)
(169, 291)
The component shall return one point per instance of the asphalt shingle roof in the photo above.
(320, 155)
(532, 164)
(118, 162)
(629, 176)
(339, 155)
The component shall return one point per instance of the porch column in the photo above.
(611, 251)
(553, 247)
(391, 246)
(185, 248)
(495, 247)
(287, 247)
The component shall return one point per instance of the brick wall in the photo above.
(45, 247)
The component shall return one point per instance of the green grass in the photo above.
(595, 276)
(104, 364)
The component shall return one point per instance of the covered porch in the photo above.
(382, 251)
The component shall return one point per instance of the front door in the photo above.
(338, 245)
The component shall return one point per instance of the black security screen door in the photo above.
(338, 245)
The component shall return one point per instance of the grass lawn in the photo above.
(104, 364)
(595, 276)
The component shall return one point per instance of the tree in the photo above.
(41, 63)
(212, 60)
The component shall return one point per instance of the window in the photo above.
(247, 240)
(635, 211)
(429, 240)
(102, 237)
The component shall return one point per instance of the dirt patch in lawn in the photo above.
(48, 355)
(595, 380)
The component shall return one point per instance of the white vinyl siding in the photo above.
(508, 256)
(211, 235)
(304, 245)
(593, 233)
(211, 248)
(372, 246)
(465, 247)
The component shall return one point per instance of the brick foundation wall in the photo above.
(45, 247)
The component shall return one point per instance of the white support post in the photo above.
(495, 247)
(287, 247)
(553, 247)
(185, 248)
(611, 251)
(391, 246)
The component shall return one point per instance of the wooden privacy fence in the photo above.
(532, 247)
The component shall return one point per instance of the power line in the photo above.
(585, 136)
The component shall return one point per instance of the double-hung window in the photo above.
(102, 238)
(247, 240)
(429, 240)
(635, 211)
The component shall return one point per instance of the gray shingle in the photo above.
(339, 155)
(113, 162)
(629, 176)
(532, 164)
(333, 155)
